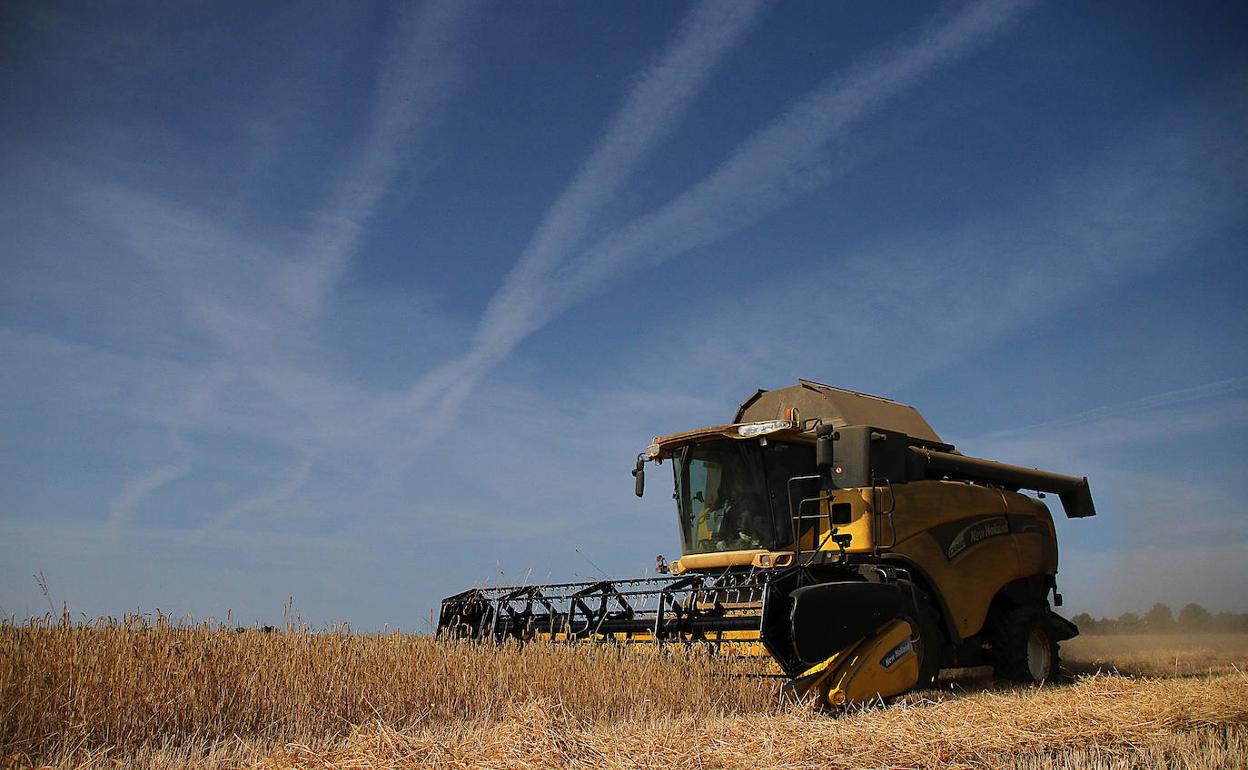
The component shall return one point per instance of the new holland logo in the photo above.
(894, 654)
(977, 533)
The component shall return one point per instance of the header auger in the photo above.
(837, 534)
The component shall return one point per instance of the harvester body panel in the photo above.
(970, 541)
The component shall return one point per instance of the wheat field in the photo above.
(165, 693)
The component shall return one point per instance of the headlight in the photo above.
(762, 428)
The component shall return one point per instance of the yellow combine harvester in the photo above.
(837, 533)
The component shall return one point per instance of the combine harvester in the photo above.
(837, 533)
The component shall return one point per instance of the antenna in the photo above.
(591, 563)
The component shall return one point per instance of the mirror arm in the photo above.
(824, 453)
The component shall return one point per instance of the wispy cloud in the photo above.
(419, 76)
(781, 162)
(258, 503)
(121, 510)
(1129, 409)
(941, 295)
(1155, 420)
(1134, 552)
(651, 111)
(787, 158)
(548, 277)
(242, 288)
(249, 289)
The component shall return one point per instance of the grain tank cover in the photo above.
(836, 407)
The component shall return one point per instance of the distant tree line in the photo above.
(1161, 619)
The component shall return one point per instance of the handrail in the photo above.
(796, 517)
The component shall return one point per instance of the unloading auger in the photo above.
(837, 534)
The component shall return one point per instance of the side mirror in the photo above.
(826, 437)
(639, 476)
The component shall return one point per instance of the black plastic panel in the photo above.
(829, 617)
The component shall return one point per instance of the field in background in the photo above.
(1158, 654)
(164, 694)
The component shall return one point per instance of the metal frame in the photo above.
(686, 608)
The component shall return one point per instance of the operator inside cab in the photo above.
(733, 517)
(726, 497)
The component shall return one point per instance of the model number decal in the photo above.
(976, 533)
(888, 660)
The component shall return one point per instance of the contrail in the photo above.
(417, 77)
(1155, 401)
(651, 111)
(778, 164)
(786, 158)
(259, 502)
(122, 509)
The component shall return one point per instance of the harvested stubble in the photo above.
(165, 695)
(1102, 719)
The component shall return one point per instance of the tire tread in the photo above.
(1009, 644)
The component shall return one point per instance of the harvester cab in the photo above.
(836, 533)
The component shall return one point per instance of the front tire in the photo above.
(929, 639)
(1024, 646)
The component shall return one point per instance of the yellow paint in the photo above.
(879, 666)
(972, 579)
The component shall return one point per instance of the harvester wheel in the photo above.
(1024, 646)
(930, 646)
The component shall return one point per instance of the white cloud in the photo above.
(259, 503)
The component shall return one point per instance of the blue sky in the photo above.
(364, 304)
